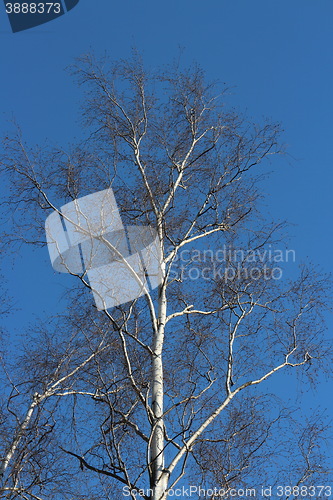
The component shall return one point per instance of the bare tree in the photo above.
(138, 398)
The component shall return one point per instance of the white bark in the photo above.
(19, 434)
(191, 441)
(36, 400)
(159, 477)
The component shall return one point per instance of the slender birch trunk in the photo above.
(159, 477)
(19, 435)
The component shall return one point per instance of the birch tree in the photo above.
(170, 389)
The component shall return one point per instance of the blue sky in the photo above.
(276, 58)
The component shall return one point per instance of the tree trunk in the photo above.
(18, 436)
(159, 477)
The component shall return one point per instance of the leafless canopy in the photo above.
(173, 388)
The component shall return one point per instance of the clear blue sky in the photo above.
(276, 56)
